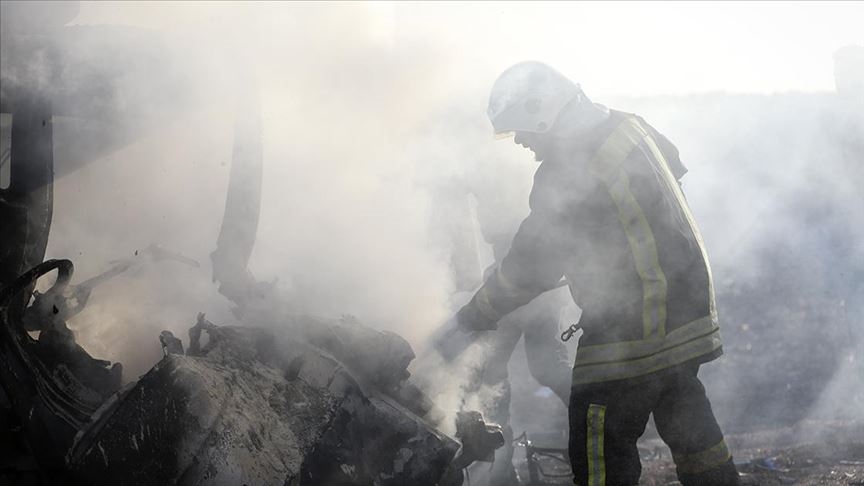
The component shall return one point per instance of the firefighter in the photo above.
(608, 214)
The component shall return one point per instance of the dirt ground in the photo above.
(810, 453)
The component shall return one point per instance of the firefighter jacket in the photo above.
(608, 214)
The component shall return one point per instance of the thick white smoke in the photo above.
(368, 110)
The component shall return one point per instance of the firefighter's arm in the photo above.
(532, 267)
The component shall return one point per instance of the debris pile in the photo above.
(301, 401)
(252, 407)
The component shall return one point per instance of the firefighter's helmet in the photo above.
(528, 97)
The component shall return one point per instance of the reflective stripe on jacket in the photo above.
(608, 213)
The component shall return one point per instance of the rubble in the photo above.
(283, 399)
(303, 401)
(307, 400)
(257, 409)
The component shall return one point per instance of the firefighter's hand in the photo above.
(451, 340)
(459, 332)
(470, 319)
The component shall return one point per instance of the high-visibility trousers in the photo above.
(606, 420)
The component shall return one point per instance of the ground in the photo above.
(810, 453)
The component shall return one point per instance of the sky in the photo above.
(634, 48)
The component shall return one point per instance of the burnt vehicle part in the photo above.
(236, 238)
(255, 407)
(52, 411)
(175, 424)
(369, 363)
(67, 87)
(377, 359)
(251, 406)
(26, 201)
(106, 83)
(26, 204)
(52, 385)
(65, 300)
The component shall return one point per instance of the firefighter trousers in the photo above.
(606, 420)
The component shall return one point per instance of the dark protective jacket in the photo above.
(608, 213)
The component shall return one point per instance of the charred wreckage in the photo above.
(286, 399)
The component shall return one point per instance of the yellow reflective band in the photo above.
(606, 166)
(627, 350)
(596, 458)
(602, 372)
(675, 188)
(706, 460)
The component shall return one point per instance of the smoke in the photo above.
(343, 227)
(771, 185)
(373, 120)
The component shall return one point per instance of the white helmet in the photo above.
(528, 97)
